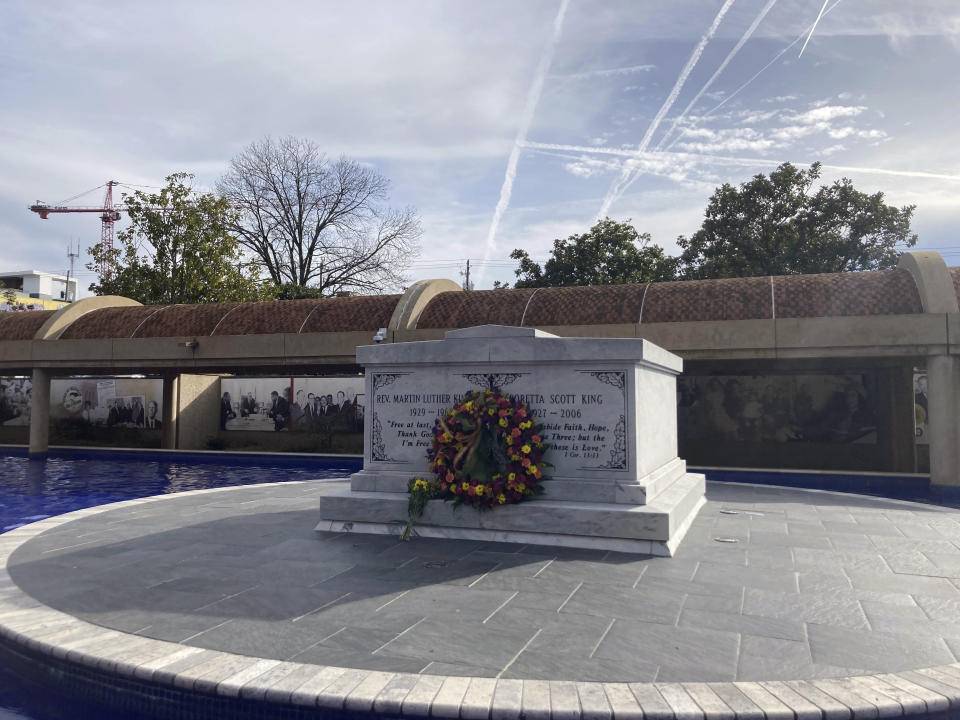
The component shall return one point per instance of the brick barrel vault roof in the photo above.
(882, 292)
(254, 318)
(22, 325)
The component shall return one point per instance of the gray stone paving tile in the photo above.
(954, 645)
(669, 568)
(714, 603)
(619, 602)
(915, 585)
(498, 580)
(912, 563)
(948, 564)
(777, 558)
(887, 652)
(447, 600)
(832, 609)
(699, 654)
(798, 540)
(602, 573)
(671, 587)
(271, 603)
(782, 628)
(815, 560)
(782, 581)
(763, 658)
(721, 554)
(575, 635)
(338, 657)
(459, 669)
(823, 579)
(885, 615)
(435, 640)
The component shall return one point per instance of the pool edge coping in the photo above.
(42, 630)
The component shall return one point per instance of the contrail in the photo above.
(533, 97)
(757, 74)
(617, 188)
(813, 27)
(734, 160)
(726, 61)
(605, 73)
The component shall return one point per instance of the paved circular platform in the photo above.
(779, 602)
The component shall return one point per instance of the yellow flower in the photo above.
(514, 457)
(503, 422)
(480, 489)
(511, 477)
(447, 437)
(420, 484)
(509, 439)
(491, 411)
(465, 486)
(501, 498)
(526, 449)
(521, 487)
(531, 469)
(468, 405)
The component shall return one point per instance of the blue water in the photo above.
(31, 490)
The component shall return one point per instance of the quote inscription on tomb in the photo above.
(582, 411)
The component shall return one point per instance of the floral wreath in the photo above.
(486, 451)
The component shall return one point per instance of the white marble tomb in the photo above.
(608, 409)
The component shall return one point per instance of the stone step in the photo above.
(557, 488)
(653, 528)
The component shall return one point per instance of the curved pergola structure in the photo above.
(891, 319)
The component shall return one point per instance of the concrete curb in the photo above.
(28, 625)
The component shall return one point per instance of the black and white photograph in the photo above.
(777, 408)
(307, 405)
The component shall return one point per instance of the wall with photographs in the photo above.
(318, 413)
(84, 411)
(807, 420)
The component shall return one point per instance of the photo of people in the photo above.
(777, 408)
(307, 405)
(107, 402)
(920, 411)
(15, 394)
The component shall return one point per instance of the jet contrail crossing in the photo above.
(813, 27)
(533, 97)
(726, 61)
(734, 160)
(757, 74)
(617, 188)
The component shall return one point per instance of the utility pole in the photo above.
(466, 281)
(73, 256)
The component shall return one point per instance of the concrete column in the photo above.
(39, 413)
(171, 397)
(943, 381)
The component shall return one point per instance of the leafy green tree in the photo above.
(9, 296)
(610, 253)
(178, 249)
(776, 225)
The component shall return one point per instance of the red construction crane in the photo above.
(109, 214)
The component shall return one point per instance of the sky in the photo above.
(506, 123)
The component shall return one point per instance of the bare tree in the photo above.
(314, 222)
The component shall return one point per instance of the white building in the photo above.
(32, 286)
